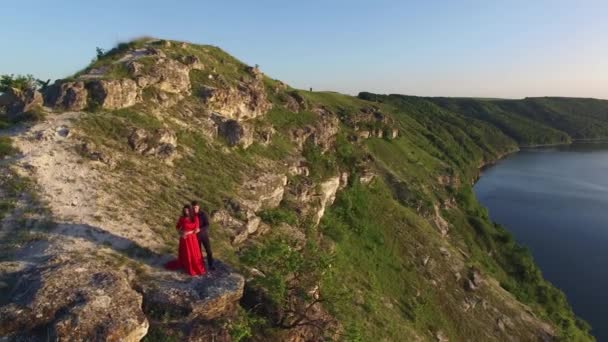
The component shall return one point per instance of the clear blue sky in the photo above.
(452, 48)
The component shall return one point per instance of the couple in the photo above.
(193, 228)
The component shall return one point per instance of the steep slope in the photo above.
(334, 217)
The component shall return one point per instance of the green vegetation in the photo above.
(368, 254)
(6, 148)
(537, 121)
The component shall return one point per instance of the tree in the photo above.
(20, 82)
(99, 52)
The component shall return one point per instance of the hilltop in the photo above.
(334, 217)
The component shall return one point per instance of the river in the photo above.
(555, 201)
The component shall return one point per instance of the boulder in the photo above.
(192, 62)
(114, 94)
(66, 95)
(322, 133)
(246, 100)
(393, 134)
(236, 133)
(180, 297)
(162, 143)
(165, 74)
(263, 192)
(264, 135)
(17, 101)
(74, 301)
(474, 280)
(442, 225)
(294, 102)
(93, 152)
(326, 196)
(238, 229)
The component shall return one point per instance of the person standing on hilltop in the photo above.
(203, 234)
(189, 253)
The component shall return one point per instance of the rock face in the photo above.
(239, 229)
(74, 302)
(235, 133)
(185, 298)
(17, 101)
(246, 100)
(263, 192)
(440, 222)
(162, 143)
(67, 96)
(322, 133)
(326, 196)
(114, 94)
(167, 75)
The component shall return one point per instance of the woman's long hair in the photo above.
(187, 211)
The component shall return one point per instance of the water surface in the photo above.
(555, 202)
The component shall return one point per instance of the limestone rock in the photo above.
(192, 62)
(240, 228)
(17, 101)
(245, 101)
(367, 176)
(93, 152)
(294, 102)
(322, 133)
(74, 302)
(182, 297)
(326, 196)
(263, 192)
(236, 133)
(167, 75)
(474, 280)
(440, 222)
(162, 143)
(264, 135)
(66, 95)
(114, 94)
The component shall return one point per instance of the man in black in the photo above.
(203, 235)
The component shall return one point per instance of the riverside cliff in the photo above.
(333, 217)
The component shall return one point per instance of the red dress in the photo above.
(189, 255)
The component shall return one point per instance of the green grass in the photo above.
(6, 147)
(374, 237)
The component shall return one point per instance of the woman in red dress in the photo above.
(189, 254)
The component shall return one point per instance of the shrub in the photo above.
(279, 215)
(20, 82)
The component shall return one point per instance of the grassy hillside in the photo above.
(537, 121)
(391, 259)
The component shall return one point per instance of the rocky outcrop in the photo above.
(263, 192)
(322, 133)
(234, 132)
(162, 143)
(16, 101)
(474, 280)
(294, 102)
(114, 94)
(440, 222)
(181, 298)
(71, 96)
(326, 196)
(165, 74)
(246, 100)
(240, 229)
(94, 152)
(74, 301)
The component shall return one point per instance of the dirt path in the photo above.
(76, 190)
